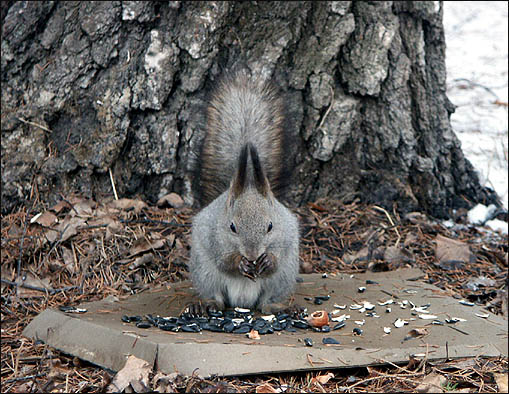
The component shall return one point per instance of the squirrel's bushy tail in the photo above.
(243, 110)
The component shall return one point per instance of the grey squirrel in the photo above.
(244, 243)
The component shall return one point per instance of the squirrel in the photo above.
(244, 242)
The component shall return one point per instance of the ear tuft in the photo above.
(239, 181)
(260, 180)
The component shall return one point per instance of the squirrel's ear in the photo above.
(260, 180)
(239, 180)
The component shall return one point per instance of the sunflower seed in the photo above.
(357, 331)
(330, 341)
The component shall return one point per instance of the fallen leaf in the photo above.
(32, 280)
(432, 383)
(46, 219)
(27, 387)
(323, 379)
(139, 387)
(113, 225)
(61, 206)
(395, 254)
(266, 388)
(451, 253)
(416, 217)
(83, 208)
(69, 262)
(15, 230)
(410, 239)
(165, 383)
(57, 370)
(361, 255)
(55, 265)
(128, 204)
(172, 199)
(75, 200)
(65, 229)
(134, 371)
(105, 220)
(143, 245)
(144, 259)
(501, 379)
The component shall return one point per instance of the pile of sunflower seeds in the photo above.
(236, 321)
(242, 321)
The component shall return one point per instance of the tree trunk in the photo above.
(89, 87)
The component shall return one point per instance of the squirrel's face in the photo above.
(252, 224)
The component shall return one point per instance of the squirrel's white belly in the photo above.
(243, 292)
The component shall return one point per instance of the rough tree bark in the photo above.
(89, 87)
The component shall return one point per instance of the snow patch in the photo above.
(448, 223)
(476, 35)
(481, 213)
(498, 225)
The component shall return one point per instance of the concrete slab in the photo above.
(99, 335)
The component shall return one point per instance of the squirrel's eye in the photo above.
(270, 227)
(232, 227)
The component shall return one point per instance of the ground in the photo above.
(121, 247)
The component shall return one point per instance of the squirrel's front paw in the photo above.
(265, 264)
(204, 308)
(247, 269)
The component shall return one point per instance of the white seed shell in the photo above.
(400, 323)
(340, 318)
(427, 317)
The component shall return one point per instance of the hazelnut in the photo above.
(318, 319)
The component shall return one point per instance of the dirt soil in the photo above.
(81, 250)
